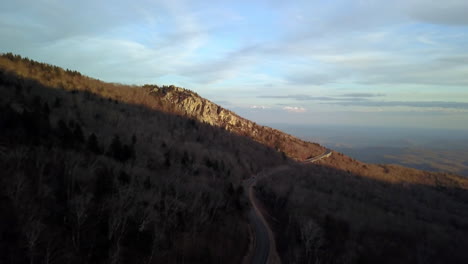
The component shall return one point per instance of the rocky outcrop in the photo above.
(190, 104)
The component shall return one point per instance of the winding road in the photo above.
(263, 236)
(325, 154)
(264, 247)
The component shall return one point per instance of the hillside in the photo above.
(107, 173)
(174, 100)
(194, 106)
(340, 210)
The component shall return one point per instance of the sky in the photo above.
(359, 62)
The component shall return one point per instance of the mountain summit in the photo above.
(191, 105)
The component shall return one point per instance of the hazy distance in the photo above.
(429, 149)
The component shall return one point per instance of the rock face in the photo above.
(190, 104)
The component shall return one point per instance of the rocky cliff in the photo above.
(190, 104)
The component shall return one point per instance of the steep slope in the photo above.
(105, 173)
(192, 105)
(339, 210)
(170, 99)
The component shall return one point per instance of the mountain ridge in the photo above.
(154, 174)
(171, 99)
(192, 105)
(187, 103)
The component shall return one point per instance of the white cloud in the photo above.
(259, 107)
(450, 12)
(294, 109)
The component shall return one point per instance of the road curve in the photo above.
(262, 244)
(264, 248)
(325, 154)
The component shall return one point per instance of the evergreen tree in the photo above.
(126, 153)
(93, 144)
(46, 109)
(64, 133)
(57, 102)
(115, 148)
(78, 133)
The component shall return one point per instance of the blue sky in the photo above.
(361, 62)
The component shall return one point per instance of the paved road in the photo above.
(326, 154)
(262, 238)
(264, 244)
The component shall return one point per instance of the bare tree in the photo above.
(312, 237)
(32, 230)
(51, 250)
(120, 207)
(79, 206)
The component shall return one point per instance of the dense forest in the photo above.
(95, 172)
(340, 210)
(104, 173)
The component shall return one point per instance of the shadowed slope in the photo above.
(87, 177)
(170, 99)
(98, 172)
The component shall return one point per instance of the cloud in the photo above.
(294, 109)
(62, 19)
(417, 104)
(362, 95)
(450, 61)
(118, 42)
(259, 107)
(365, 100)
(437, 67)
(430, 73)
(310, 78)
(299, 97)
(303, 97)
(225, 66)
(452, 12)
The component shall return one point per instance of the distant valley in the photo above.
(436, 150)
(454, 161)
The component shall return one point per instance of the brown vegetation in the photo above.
(169, 99)
(95, 172)
(105, 173)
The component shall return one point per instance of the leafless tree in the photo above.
(79, 206)
(312, 237)
(120, 206)
(32, 230)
